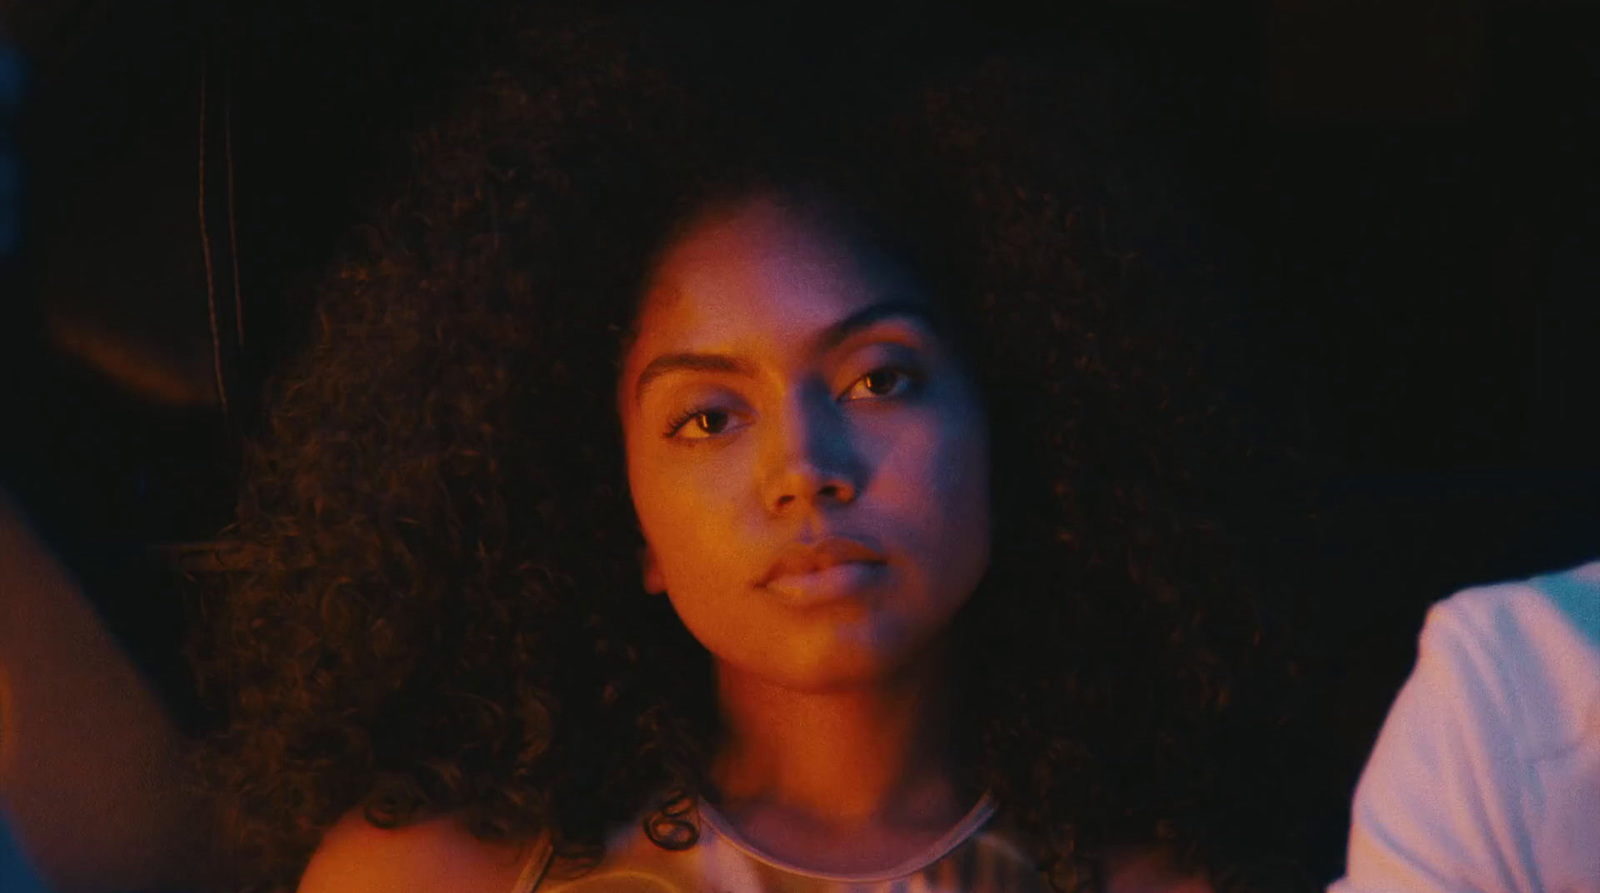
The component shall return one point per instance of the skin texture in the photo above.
(437, 855)
(807, 447)
(832, 709)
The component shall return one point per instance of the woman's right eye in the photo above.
(700, 424)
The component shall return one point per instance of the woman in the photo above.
(939, 607)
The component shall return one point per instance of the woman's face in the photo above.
(808, 460)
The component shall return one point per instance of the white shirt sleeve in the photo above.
(1484, 776)
(1436, 806)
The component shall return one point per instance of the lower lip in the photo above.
(839, 581)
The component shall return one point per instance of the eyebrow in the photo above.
(824, 341)
(836, 334)
(690, 362)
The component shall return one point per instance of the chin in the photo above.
(824, 654)
(833, 668)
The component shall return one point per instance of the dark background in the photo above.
(1406, 187)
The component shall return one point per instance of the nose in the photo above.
(812, 462)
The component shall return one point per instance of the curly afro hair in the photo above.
(442, 611)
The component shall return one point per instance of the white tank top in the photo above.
(969, 859)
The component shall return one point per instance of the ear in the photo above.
(654, 583)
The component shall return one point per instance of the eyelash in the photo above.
(912, 378)
(683, 418)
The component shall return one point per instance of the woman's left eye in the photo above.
(885, 382)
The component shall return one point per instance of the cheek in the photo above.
(685, 516)
(938, 472)
(955, 468)
(960, 480)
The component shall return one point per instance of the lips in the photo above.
(798, 562)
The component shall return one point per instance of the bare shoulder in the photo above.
(437, 855)
(1149, 871)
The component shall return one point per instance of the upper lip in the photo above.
(808, 557)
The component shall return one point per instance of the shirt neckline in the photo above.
(969, 825)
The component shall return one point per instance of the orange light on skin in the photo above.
(1145, 870)
(809, 464)
(92, 810)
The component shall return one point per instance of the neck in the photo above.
(875, 756)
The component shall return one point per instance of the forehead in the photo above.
(761, 271)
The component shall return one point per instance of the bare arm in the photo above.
(91, 766)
